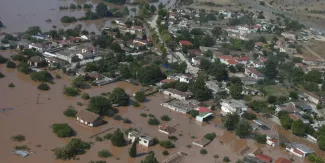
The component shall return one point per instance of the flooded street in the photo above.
(18, 15)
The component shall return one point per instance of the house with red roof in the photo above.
(252, 72)
(230, 60)
(203, 113)
(204, 110)
(299, 150)
(282, 160)
(263, 157)
(183, 43)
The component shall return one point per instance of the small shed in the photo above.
(21, 153)
(89, 118)
(201, 142)
(202, 116)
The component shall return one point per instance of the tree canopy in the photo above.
(230, 121)
(243, 128)
(119, 96)
(150, 158)
(99, 105)
(117, 138)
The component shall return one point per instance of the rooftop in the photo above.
(140, 135)
(185, 42)
(302, 147)
(87, 115)
(254, 71)
(282, 160)
(202, 141)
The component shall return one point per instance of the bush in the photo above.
(165, 153)
(140, 96)
(210, 136)
(108, 136)
(11, 85)
(165, 118)
(143, 115)
(153, 121)
(173, 138)
(126, 120)
(73, 148)
(151, 115)
(62, 130)
(117, 138)
(136, 104)
(117, 117)
(314, 158)
(104, 153)
(3, 59)
(21, 147)
(167, 144)
(70, 111)
(18, 138)
(68, 19)
(80, 103)
(1, 75)
(11, 64)
(42, 76)
(226, 159)
(260, 138)
(193, 113)
(43, 87)
(58, 76)
(203, 151)
(85, 96)
(71, 91)
(98, 138)
(248, 116)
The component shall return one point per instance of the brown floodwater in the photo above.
(18, 15)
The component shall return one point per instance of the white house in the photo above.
(299, 150)
(233, 106)
(256, 64)
(89, 118)
(272, 141)
(84, 54)
(144, 140)
(36, 46)
(252, 72)
(173, 93)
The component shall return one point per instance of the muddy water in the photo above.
(18, 15)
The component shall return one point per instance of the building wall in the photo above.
(179, 97)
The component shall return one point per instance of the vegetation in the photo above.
(136, 104)
(314, 158)
(210, 136)
(62, 130)
(11, 64)
(243, 128)
(198, 88)
(117, 138)
(119, 97)
(85, 96)
(193, 113)
(71, 91)
(140, 96)
(73, 148)
(150, 158)
(165, 153)
(133, 149)
(80, 82)
(1, 75)
(3, 59)
(68, 19)
(260, 138)
(11, 85)
(226, 159)
(203, 151)
(153, 121)
(167, 144)
(42, 76)
(173, 138)
(99, 105)
(43, 87)
(230, 121)
(18, 138)
(108, 136)
(104, 153)
(165, 118)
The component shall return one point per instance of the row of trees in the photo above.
(233, 122)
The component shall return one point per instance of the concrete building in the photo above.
(201, 142)
(36, 46)
(252, 72)
(174, 93)
(180, 106)
(35, 61)
(144, 140)
(233, 106)
(89, 118)
(166, 129)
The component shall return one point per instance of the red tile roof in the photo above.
(185, 42)
(254, 71)
(204, 110)
(282, 160)
(232, 62)
(298, 152)
(294, 117)
(263, 157)
(226, 57)
(243, 58)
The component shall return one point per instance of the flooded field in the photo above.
(18, 15)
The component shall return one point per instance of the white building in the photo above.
(173, 93)
(233, 106)
(89, 118)
(144, 140)
(252, 72)
(84, 54)
(299, 150)
(36, 46)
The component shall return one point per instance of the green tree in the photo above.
(3, 59)
(99, 105)
(230, 121)
(104, 153)
(80, 82)
(101, 9)
(153, 8)
(70, 111)
(119, 96)
(71, 91)
(313, 76)
(219, 71)
(42, 76)
(11, 64)
(243, 129)
(199, 89)
(140, 96)
(204, 64)
(117, 138)
(321, 141)
(217, 31)
(286, 122)
(73, 148)
(43, 86)
(271, 99)
(236, 90)
(270, 68)
(260, 138)
(62, 130)
(150, 158)
(298, 128)
(85, 96)
(167, 144)
(293, 95)
(133, 149)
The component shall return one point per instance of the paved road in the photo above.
(190, 68)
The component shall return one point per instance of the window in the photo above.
(144, 141)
